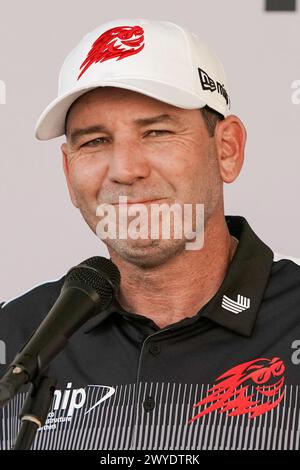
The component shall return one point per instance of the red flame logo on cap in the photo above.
(119, 42)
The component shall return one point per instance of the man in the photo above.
(199, 348)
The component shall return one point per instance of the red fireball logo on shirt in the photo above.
(120, 42)
(231, 393)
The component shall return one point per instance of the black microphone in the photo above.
(87, 290)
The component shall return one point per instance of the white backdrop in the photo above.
(42, 234)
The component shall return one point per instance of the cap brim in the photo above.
(51, 122)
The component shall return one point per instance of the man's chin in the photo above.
(146, 253)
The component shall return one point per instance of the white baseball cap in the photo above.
(156, 58)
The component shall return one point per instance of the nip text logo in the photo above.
(155, 221)
(70, 400)
(2, 92)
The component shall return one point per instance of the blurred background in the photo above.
(42, 234)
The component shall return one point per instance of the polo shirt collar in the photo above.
(235, 305)
(245, 281)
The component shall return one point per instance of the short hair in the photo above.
(211, 118)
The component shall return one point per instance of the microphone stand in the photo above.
(88, 287)
(35, 410)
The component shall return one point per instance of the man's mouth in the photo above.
(139, 201)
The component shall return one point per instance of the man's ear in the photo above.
(230, 139)
(64, 150)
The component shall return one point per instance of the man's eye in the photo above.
(95, 142)
(156, 132)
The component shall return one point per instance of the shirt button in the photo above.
(149, 404)
(154, 349)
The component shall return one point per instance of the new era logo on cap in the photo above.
(208, 83)
(236, 306)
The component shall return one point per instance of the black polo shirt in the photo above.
(227, 378)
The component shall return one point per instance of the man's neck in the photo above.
(181, 287)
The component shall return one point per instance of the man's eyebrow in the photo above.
(154, 119)
(77, 133)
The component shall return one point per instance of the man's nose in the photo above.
(127, 163)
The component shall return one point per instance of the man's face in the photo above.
(144, 149)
